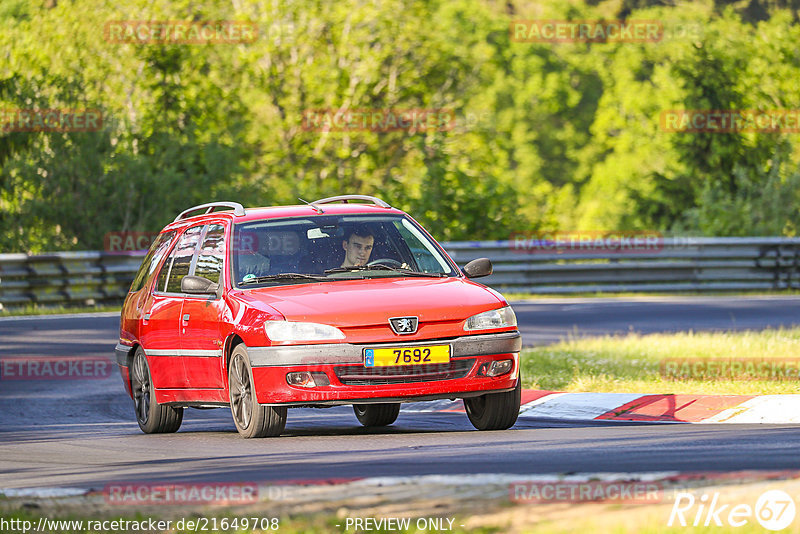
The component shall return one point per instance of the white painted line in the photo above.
(528, 405)
(54, 316)
(441, 405)
(43, 493)
(766, 409)
(481, 480)
(429, 406)
(503, 478)
(578, 406)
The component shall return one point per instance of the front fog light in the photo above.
(304, 379)
(495, 368)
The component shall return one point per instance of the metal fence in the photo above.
(669, 264)
(66, 278)
(675, 264)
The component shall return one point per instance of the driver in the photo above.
(357, 246)
(252, 251)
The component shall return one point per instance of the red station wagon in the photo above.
(345, 300)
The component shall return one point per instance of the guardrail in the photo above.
(677, 264)
(673, 264)
(66, 278)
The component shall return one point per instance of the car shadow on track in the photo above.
(340, 421)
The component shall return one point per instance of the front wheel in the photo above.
(495, 411)
(252, 420)
(377, 414)
(153, 418)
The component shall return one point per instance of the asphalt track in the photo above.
(81, 433)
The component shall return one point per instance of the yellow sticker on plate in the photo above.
(390, 357)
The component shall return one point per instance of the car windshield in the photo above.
(329, 248)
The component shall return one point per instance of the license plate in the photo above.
(396, 356)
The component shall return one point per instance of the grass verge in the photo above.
(636, 363)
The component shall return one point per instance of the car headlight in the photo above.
(295, 331)
(500, 318)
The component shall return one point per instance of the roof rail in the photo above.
(238, 209)
(346, 198)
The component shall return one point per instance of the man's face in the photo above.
(357, 250)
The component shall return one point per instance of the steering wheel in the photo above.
(386, 261)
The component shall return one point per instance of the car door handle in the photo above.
(185, 316)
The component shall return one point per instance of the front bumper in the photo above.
(337, 360)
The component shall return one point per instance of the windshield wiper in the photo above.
(383, 266)
(284, 276)
(353, 268)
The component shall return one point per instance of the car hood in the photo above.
(372, 302)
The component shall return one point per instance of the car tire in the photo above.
(377, 414)
(495, 411)
(153, 418)
(252, 419)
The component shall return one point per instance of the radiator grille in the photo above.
(357, 375)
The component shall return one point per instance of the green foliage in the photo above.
(546, 136)
(767, 202)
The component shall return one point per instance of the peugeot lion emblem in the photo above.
(404, 325)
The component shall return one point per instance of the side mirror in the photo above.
(478, 268)
(197, 285)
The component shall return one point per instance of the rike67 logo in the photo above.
(773, 510)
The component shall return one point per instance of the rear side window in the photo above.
(151, 260)
(178, 264)
(212, 253)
